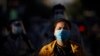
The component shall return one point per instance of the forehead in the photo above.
(62, 24)
(58, 24)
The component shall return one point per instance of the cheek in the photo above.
(54, 31)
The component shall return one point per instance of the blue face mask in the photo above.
(62, 35)
(57, 16)
(17, 30)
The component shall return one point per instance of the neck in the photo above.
(60, 43)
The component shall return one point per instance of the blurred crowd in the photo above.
(23, 31)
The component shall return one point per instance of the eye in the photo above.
(59, 28)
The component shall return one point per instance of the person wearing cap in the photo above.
(17, 42)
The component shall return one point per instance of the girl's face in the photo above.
(62, 32)
(61, 25)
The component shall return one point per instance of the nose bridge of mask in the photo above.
(59, 32)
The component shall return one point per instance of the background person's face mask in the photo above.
(59, 14)
(17, 29)
(62, 35)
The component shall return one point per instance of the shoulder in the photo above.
(47, 48)
(75, 46)
(49, 45)
(77, 49)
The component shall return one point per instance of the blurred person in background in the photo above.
(59, 11)
(17, 42)
(62, 45)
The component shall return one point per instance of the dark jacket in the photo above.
(15, 46)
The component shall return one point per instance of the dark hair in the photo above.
(58, 6)
(61, 20)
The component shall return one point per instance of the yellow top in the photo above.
(48, 50)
